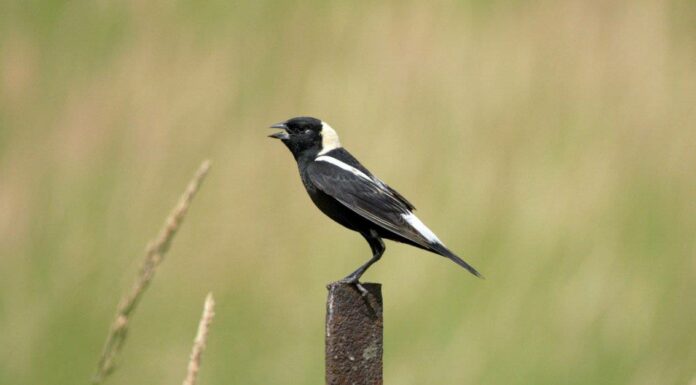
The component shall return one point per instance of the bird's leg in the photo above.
(378, 248)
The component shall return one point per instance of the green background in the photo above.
(551, 144)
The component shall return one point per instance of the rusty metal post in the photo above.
(354, 335)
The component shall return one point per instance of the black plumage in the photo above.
(348, 193)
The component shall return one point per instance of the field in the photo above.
(551, 144)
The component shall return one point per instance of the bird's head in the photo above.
(305, 135)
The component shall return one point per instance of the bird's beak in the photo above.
(282, 134)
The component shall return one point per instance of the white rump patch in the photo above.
(344, 166)
(329, 139)
(413, 220)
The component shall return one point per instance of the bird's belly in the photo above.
(338, 212)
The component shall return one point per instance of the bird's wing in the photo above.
(400, 197)
(346, 157)
(370, 198)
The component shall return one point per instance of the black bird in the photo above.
(348, 193)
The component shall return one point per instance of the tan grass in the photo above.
(200, 340)
(154, 255)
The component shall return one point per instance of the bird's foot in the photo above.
(354, 281)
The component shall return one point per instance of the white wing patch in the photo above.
(329, 139)
(413, 220)
(342, 165)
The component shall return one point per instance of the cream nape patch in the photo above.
(329, 139)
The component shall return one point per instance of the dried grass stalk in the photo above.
(200, 340)
(155, 252)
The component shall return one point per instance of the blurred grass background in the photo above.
(551, 144)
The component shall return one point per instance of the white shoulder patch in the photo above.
(347, 167)
(329, 139)
(413, 220)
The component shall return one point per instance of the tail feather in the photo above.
(445, 252)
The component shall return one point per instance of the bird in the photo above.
(347, 192)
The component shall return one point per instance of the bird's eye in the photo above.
(307, 131)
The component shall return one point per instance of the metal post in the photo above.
(354, 335)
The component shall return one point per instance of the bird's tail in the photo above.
(445, 252)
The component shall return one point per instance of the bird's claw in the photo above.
(362, 289)
(357, 284)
